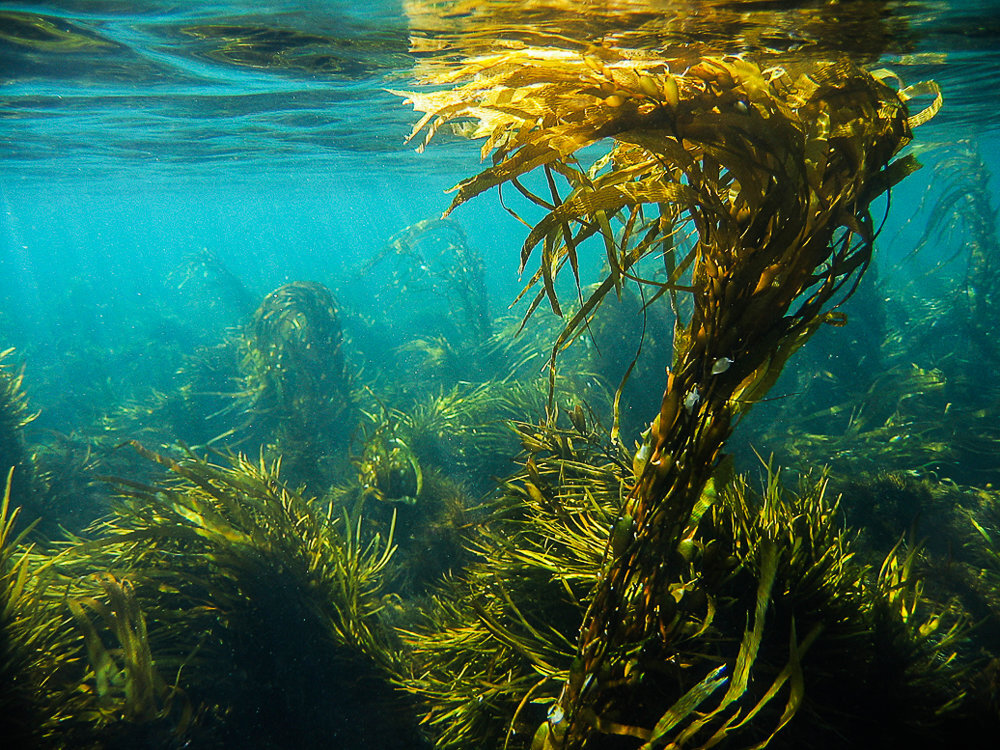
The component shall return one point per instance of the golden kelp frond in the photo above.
(752, 185)
(726, 150)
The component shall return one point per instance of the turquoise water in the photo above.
(135, 132)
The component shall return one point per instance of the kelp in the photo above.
(496, 641)
(751, 184)
(258, 598)
(432, 257)
(933, 407)
(225, 514)
(129, 698)
(294, 349)
(388, 470)
(768, 613)
(207, 285)
(29, 489)
(293, 51)
(295, 377)
(48, 34)
(40, 652)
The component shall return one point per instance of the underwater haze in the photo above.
(456, 374)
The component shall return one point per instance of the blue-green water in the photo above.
(133, 133)
(136, 134)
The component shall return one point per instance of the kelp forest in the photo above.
(717, 477)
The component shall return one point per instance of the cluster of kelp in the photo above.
(344, 585)
(924, 395)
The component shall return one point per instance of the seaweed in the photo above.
(204, 282)
(261, 603)
(435, 256)
(296, 384)
(15, 416)
(768, 612)
(753, 187)
(931, 408)
(40, 705)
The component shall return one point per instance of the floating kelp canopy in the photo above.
(752, 183)
(860, 30)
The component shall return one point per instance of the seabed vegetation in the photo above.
(328, 529)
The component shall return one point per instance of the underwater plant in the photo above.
(752, 185)
(495, 641)
(296, 382)
(206, 285)
(766, 587)
(434, 257)
(962, 223)
(43, 699)
(27, 486)
(931, 408)
(262, 603)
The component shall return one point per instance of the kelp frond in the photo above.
(752, 186)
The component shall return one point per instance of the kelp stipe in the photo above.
(753, 184)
